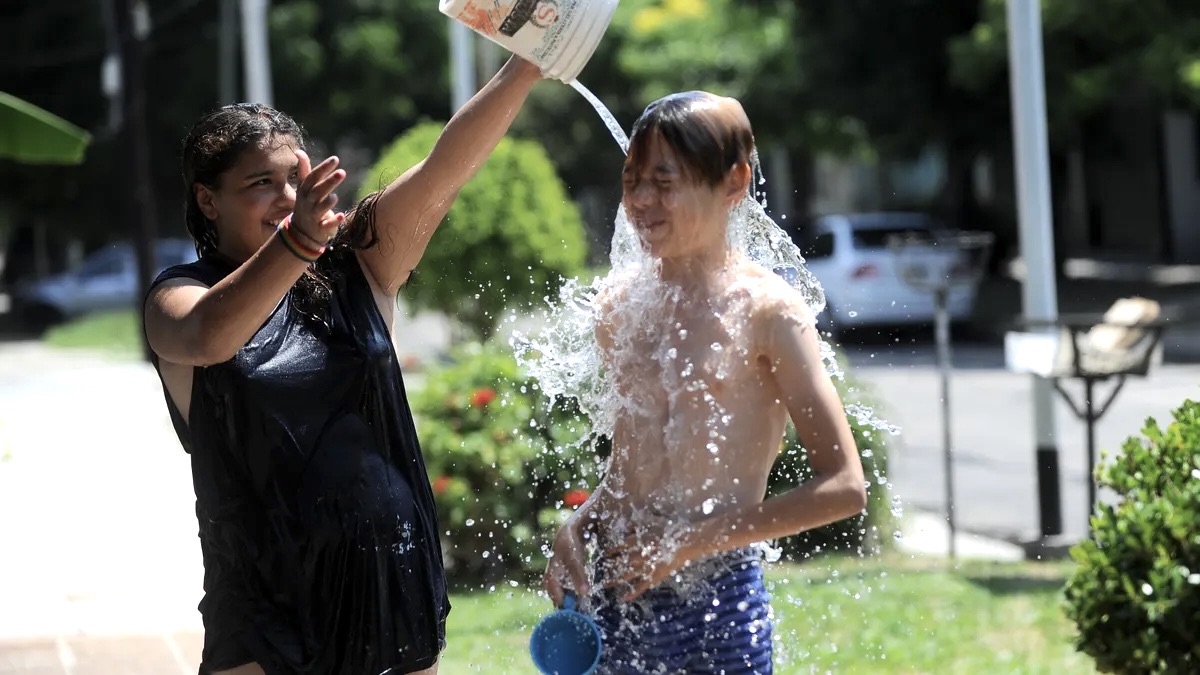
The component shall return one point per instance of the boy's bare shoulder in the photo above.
(770, 297)
(612, 292)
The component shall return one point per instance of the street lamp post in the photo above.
(256, 54)
(462, 65)
(1039, 291)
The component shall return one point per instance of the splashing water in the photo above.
(614, 127)
(565, 358)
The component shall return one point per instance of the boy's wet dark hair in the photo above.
(709, 135)
(214, 145)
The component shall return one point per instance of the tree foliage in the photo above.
(510, 238)
(886, 78)
(1096, 53)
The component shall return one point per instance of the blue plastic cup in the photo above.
(566, 642)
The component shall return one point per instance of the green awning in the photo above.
(31, 135)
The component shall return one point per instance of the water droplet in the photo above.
(707, 506)
(852, 313)
(716, 346)
(1147, 589)
(1194, 578)
(683, 334)
(470, 522)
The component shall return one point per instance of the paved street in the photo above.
(995, 478)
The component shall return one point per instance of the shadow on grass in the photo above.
(1001, 584)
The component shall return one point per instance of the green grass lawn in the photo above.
(117, 333)
(896, 615)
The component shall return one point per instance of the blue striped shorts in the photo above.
(715, 617)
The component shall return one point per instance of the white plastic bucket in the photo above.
(559, 36)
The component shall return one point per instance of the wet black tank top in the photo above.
(316, 517)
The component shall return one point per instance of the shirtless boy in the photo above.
(717, 355)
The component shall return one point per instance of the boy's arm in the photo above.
(836, 489)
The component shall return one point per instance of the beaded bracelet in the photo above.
(297, 247)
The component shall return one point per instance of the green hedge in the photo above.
(506, 471)
(1135, 595)
(511, 236)
(503, 468)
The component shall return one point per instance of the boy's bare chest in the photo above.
(689, 356)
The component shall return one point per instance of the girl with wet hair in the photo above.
(316, 517)
(707, 355)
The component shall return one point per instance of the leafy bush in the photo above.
(505, 471)
(865, 533)
(511, 236)
(1135, 595)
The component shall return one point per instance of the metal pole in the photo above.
(1039, 292)
(255, 52)
(227, 51)
(1089, 391)
(942, 335)
(462, 66)
(132, 26)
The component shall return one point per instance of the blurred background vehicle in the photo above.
(105, 280)
(849, 254)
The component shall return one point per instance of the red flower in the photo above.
(441, 484)
(482, 397)
(575, 498)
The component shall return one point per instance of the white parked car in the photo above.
(106, 280)
(849, 255)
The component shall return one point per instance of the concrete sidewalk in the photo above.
(162, 654)
(97, 519)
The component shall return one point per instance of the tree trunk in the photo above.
(958, 193)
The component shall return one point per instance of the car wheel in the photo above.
(39, 318)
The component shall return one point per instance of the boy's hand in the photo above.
(567, 563)
(649, 557)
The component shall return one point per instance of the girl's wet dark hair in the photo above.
(214, 145)
(709, 138)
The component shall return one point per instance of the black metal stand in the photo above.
(945, 365)
(1088, 411)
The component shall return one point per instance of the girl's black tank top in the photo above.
(316, 518)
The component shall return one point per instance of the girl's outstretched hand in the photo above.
(313, 216)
